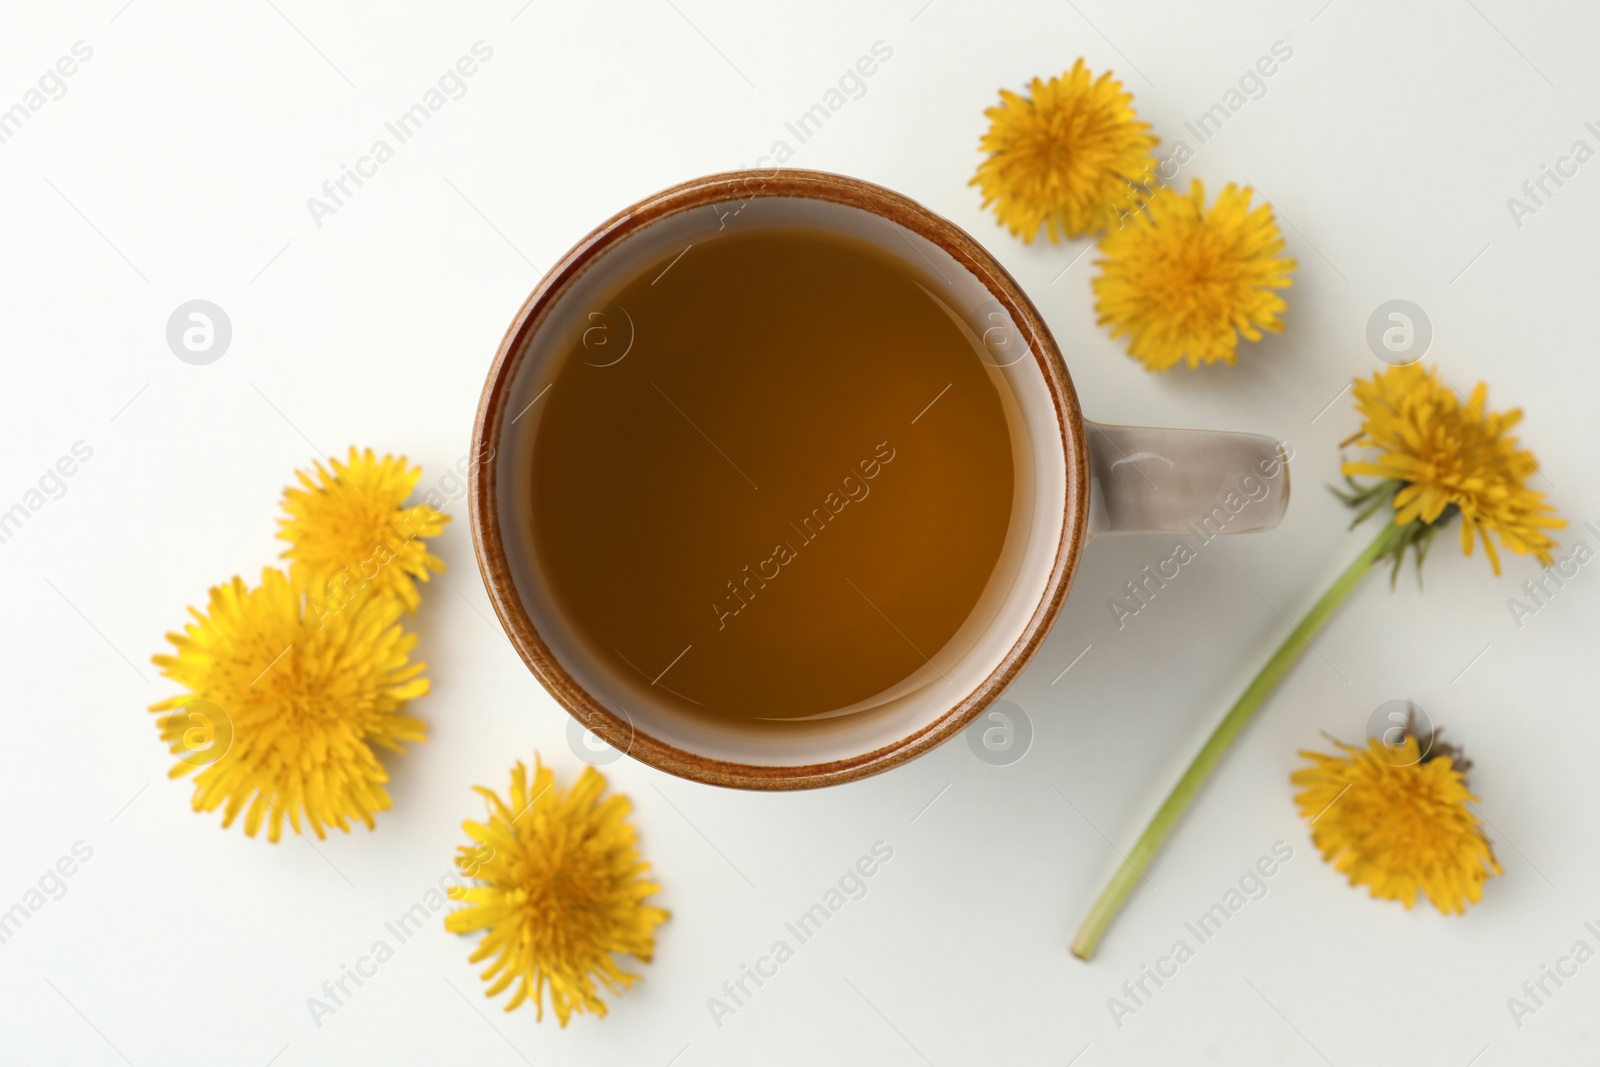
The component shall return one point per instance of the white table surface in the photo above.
(177, 166)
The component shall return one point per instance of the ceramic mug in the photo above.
(1075, 480)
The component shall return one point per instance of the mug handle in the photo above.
(1149, 480)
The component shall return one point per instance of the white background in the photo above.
(177, 166)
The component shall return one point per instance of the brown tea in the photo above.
(777, 480)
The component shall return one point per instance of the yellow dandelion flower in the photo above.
(1183, 281)
(1069, 156)
(1397, 823)
(349, 532)
(1439, 456)
(298, 704)
(1404, 829)
(560, 889)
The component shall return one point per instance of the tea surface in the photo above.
(789, 492)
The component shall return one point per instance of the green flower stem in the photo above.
(1144, 850)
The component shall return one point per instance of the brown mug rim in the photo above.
(724, 188)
